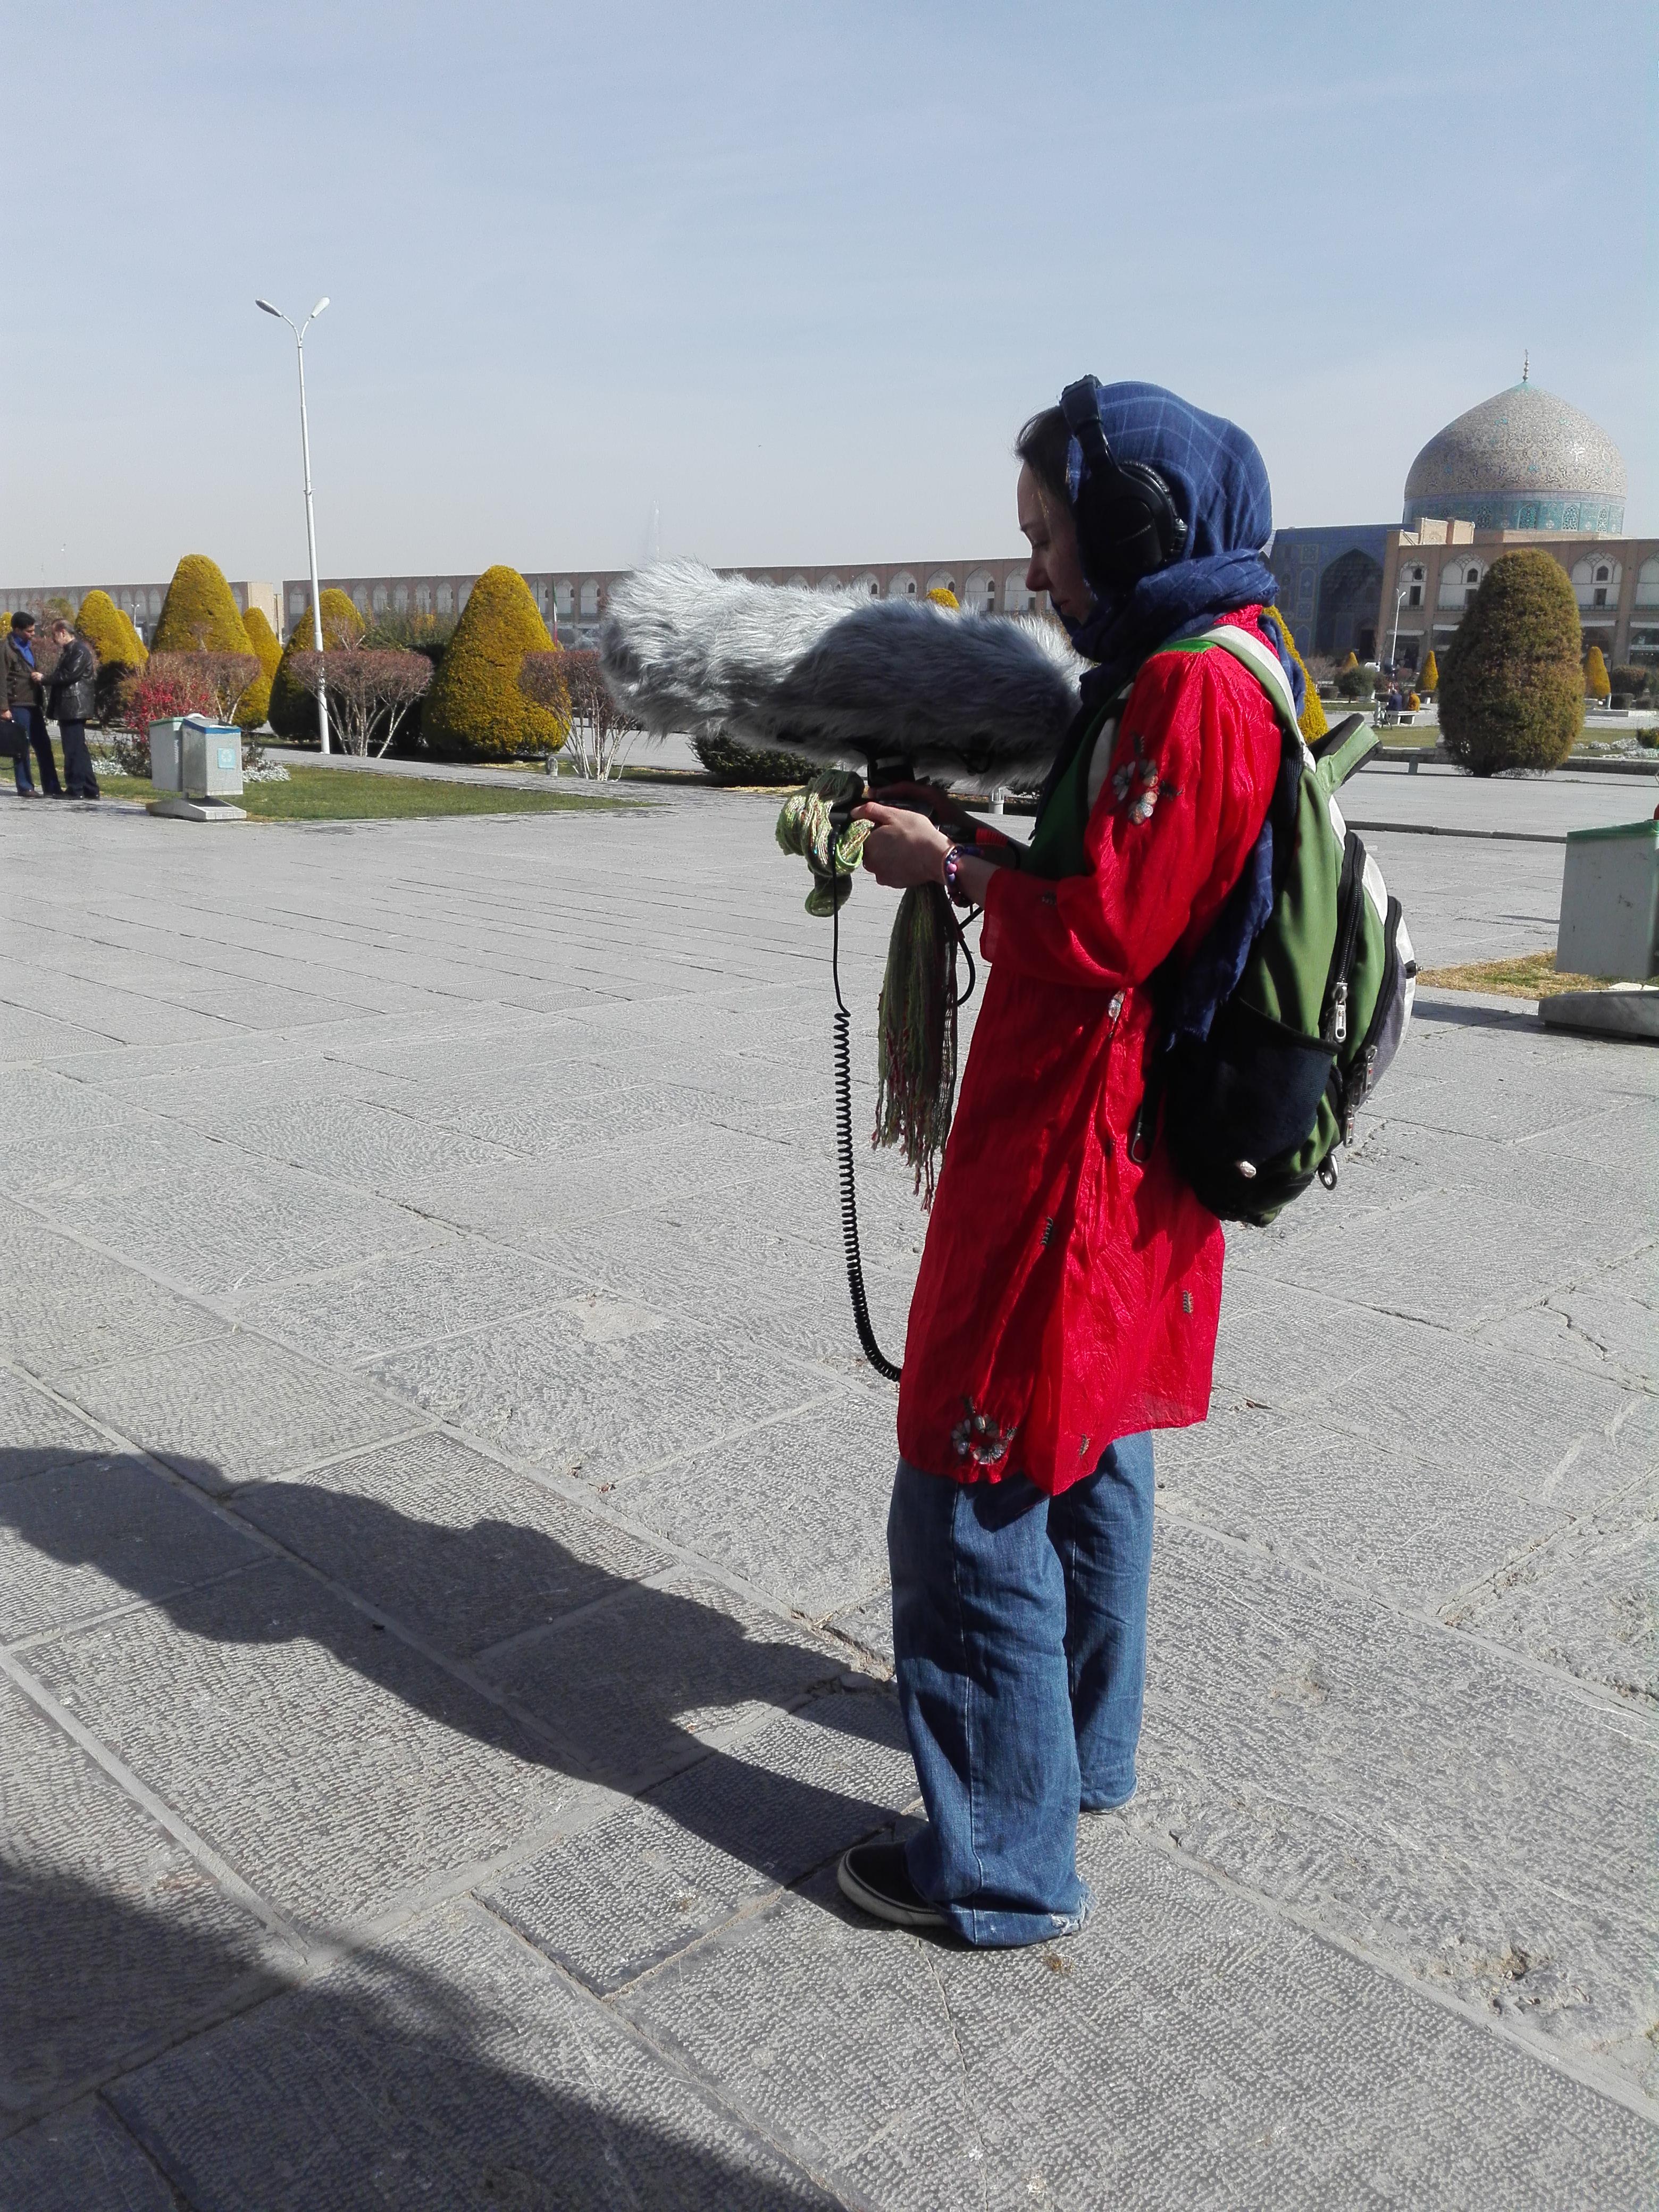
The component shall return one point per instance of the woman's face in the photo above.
(1056, 565)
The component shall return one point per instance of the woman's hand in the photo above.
(904, 847)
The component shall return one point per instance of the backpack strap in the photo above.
(1263, 662)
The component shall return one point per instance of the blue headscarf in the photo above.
(1219, 481)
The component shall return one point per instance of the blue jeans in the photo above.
(29, 728)
(1020, 1635)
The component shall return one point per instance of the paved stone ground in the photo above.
(443, 1583)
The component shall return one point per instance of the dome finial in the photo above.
(1526, 358)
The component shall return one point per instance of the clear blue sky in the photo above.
(794, 274)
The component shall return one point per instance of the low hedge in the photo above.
(728, 763)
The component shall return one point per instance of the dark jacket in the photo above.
(69, 696)
(21, 682)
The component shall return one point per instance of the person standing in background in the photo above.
(68, 701)
(24, 710)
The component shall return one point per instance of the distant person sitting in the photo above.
(68, 701)
(1395, 701)
(24, 710)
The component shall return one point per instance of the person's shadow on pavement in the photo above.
(616, 1680)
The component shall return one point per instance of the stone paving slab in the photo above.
(546, 1565)
(79, 1539)
(337, 1768)
(598, 1385)
(70, 1308)
(450, 2066)
(661, 1872)
(815, 1545)
(457, 1547)
(633, 1687)
(81, 2159)
(117, 1941)
(1264, 2066)
(1381, 1775)
(235, 1409)
(37, 1433)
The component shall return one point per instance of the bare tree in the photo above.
(371, 696)
(569, 685)
(221, 677)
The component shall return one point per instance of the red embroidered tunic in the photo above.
(1067, 1296)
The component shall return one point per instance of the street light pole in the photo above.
(1394, 641)
(311, 523)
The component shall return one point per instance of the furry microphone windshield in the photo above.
(845, 681)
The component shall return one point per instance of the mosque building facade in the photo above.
(1523, 468)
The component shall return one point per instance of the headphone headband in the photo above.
(1127, 524)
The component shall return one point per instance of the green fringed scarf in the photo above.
(917, 1049)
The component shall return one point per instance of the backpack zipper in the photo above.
(1357, 1082)
(1349, 898)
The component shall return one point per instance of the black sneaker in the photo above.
(875, 1878)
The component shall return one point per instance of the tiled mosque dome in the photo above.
(1520, 460)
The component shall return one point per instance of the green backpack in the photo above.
(1278, 1031)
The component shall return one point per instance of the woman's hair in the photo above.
(1042, 446)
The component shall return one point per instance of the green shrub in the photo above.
(1631, 677)
(476, 709)
(1512, 692)
(1356, 682)
(1648, 739)
(199, 614)
(1597, 685)
(291, 709)
(733, 763)
(267, 646)
(120, 651)
(254, 708)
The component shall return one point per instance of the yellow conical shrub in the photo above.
(267, 646)
(475, 706)
(1311, 721)
(199, 614)
(1597, 685)
(1430, 678)
(110, 633)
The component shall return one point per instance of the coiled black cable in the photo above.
(849, 1204)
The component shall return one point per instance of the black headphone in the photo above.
(1127, 524)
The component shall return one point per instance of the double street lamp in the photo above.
(299, 330)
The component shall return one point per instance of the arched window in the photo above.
(380, 598)
(446, 599)
(980, 592)
(156, 604)
(590, 597)
(359, 599)
(902, 585)
(831, 582)
(798, 582)
(1595, 583)
(866, 587)
(423, 599)
(941, 580)
(1413, 580)
(1016, 600)
(296, 605)
(400, 598)
(564, 597)
(1647, 583)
